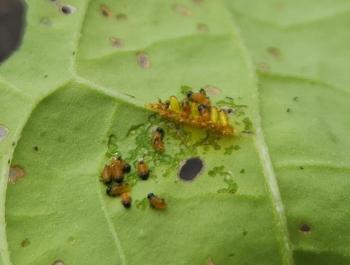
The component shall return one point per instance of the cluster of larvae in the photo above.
(113, 175)
(195, 110)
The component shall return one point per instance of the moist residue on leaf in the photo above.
(143, 60)
(191, 168)
(231, 185)
(16, 173)
(3, 132)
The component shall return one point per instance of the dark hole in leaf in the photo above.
(191, 168)
(12, 19)
(66, 10)
(305, 228)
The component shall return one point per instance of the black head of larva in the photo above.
(126, 204)
(150, 195)
(167, 103)
(145, 175)
(126, 168)
(201, 107)
(161, 131)
(202, 91)
(189, 94)
(109, 189)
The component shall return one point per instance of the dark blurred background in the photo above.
(11, 26)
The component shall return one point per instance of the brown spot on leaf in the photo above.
(105, 11)
(121, 16)
(212, 90)
(274, 52)
(202, 28)
(143, 60)
(305, 228)
(15, 174)
(25, 243)
(116, 42)
(182, 10)
(263, 67)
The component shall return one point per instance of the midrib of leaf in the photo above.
(106, 214)
(266, 163)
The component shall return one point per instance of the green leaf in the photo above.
(300, 49)
(74, 94)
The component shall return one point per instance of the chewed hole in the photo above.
(58, 262)
(191, 168)
(67, 9)
(15, 174)
(3, 132)
(305, 228)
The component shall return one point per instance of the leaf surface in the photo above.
(76, 89)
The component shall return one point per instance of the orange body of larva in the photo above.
(156, 202)
(106, 174)
(126, 199)
(117, 189)
(142, 170)
(200, 98)
(158, 144)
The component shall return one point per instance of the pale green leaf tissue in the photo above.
(81, 79)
